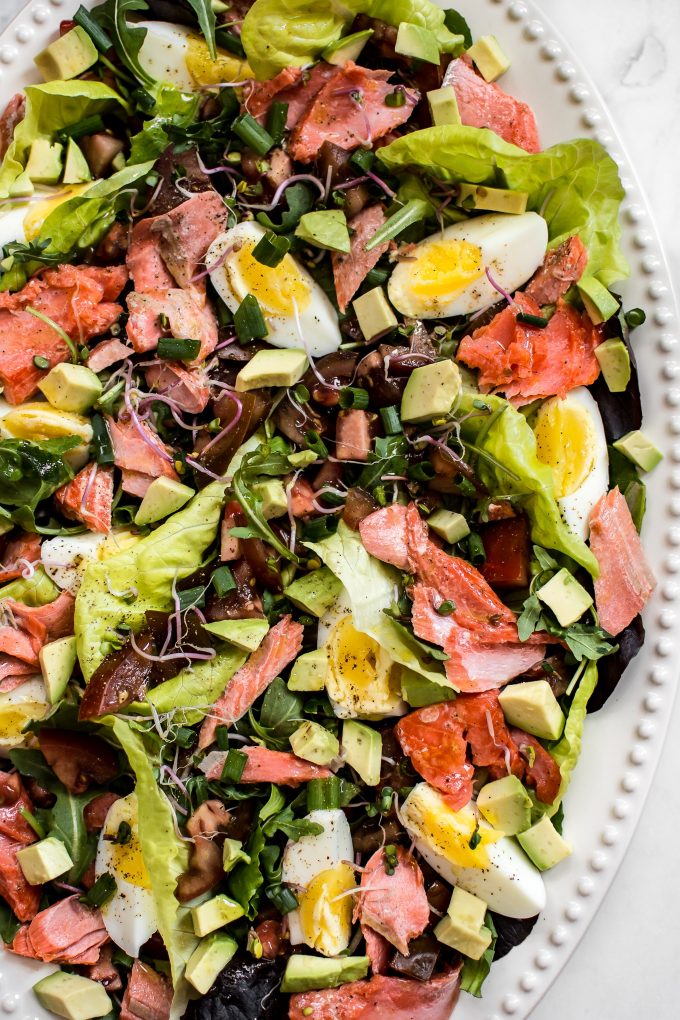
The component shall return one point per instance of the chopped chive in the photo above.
(301, 393)
(233, 767)
(532, 320)
(466, 487)
(475, 838)
(386, 795)
(476, 550)
(185, 737)
(323, 794)
(124, 834)
(283, 898)
(377, 276)
(271, 249)
(229, 42)
(173, 348)
(318, 529)
(396, 98)
(86, 126)
(353, 396)
(29, 817)
(252, 134)
(634, 317)
(363, 158)
(102, 890)
(391, 420)
(101, 441)
(73, 350)
(222, 738)
(316, 443)
(416, 209)
(423, 472)
(223, 580)
(41, 362)
(95, 31)
(249, 320)
(191, 597)
(446, 607)
(276, 120)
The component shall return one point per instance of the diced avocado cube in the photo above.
(443, 106)
(418, 691)
(272, 495)
(245, 634)
(119, 162)
(165, 496)
(462, 927)
(448, 525)
(302, 458)
(71, 387)
(431, 391)
(614, 361)
(21, 187)
(374, 314)
(488, 57)
(506, 805)
(468, 909)
(283, 367)
(532, 706)
(76, 167)
(45, 161)
(306, 973)
(599, 303)
(347, 48)
(416, 41)
(72, 996)
(57, 659)
(325, 229)
(315, 592)
(44, 860)
(315, 743)
(309, 672)
(479, 196)
(544, 845)
(215, 913)
(639, 449)
(361, 748)
(68, 56)
(566, 597)
(209, 958)
(233, 854)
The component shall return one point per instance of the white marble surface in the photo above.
(627, 964)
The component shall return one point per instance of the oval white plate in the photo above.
(623, 741)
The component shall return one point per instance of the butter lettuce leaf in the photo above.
(568, 748)
(149, 567)
(49, 108)
(36, 590)
(508, 465)
(291, 33)
(197, 688)
(575, 184)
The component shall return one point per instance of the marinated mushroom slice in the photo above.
(206, 825)
(78, 759)
(121, 678)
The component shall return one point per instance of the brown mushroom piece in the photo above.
(218, 454)
(122, 677)
(78, 759)
(242, 604)
(207, 824)
(383, 388)
(100, 150)
(294, 421)
(338, 370)
(358, 505)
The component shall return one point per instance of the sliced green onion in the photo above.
(185, 737)
(173, 348)
(124, 834)
(363, 158)
(86, 126)
(532, 320)
(386, 795)
(353, 396)
(423, 472)
(416, 209)
(377, 276)
(446, 607)
(323, 794)
(191, 597)
(271, 249)
(476, 550)
(223, 581)
(283, 898)
(101, 441)
(301, 393)
(29, 817)
(276, 120)
(467, 488)
(41, 362)
(252, 134)
(634, 317)
(95, 31)
(396, 98)
(249, 320)
(102, 890)
(318, 529)
(233, 767)
(229, 42)
(57, 329)
(316, 443)
(391, 420)
(222, 738)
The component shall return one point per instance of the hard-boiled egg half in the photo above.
(23, 221)
(570, 438)
(318, 869)
(65, 557)
(362, 680)
(445, 274)
(175, 54)
(129, 916)
(295, 308)
(496, 870)
(17, 707)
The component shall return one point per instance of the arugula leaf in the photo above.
(545, 560)
(475, 972)
(172, 109)
(127, 37)
(584, 640)
(280, 716)
(246, 880)
(252, 466)
(527, 621)
(622, 472)
(389, 458)
(206, 19)
(9, 924)
(300, 200)
(457, 24)
(32, 470)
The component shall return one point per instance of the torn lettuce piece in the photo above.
(193, 691)
(567, 750)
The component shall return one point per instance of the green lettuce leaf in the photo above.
(172, 551)
(575, 184)
(37, 590)
(32, 470)
(567, 750)
(165, 855)
(172, 108)
(49, 108)
(508, 465)
(197, 688)
(291, 33)
(127, 36)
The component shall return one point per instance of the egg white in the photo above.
(17, 707)
(445, 274)
(66, 556)
(297, 311)
(170, 53)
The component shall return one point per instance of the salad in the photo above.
(321, 484)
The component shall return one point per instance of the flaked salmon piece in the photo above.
(301, 498)
(187, 231)
(561, 267)
(24, 899)
(626, 581)
(389, 997)
(525, 362)
(79, 299)
(350, 270)
(12, 115)
(107, 353)
(188, 388)
(281, 645)
(259, 95)
(265, 766)
(489, 738)
(21, 553)
(21, 944)
(540, 770)
(67, 930)
(383, 534)
(395, 905)
(13, 672)
(349, 110)
(139, 449)
(484, 104)
(378, 949)
(17, 644)
(144, 260)
(13, 800)
(88, 497)
(148, 995)
(293, 86)
(187, 312)
(353, 435)
(135, 482)
(104, 970)
(48, 622)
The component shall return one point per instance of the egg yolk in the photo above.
(450, 833)
(445, 269)
(326, 910)
(39, 211)
(566, 441)
(206, 71)
(361, 674)
(127, 863)
(40, 421)
(278, 289)
(14, 718)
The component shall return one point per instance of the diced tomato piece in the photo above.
(508, 553)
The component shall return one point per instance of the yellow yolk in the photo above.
(39, 211)
(206, 71)
(565, 440)
(278, 289)
(449, 833)
(127, 862)
(13, 718)
(445, 268)
(325, 910)
(361, 673)
(40, 421)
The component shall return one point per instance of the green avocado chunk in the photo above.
(76, 168)
(72, 996)
(44, 860)
(361, 748)
(566, 597)
(417, 41)
(71, 387)
(57, 659)
(315, 592)
(245, 634)
(614, 362)
(347, 48)
(45, 161)
(431, 391)
(325, 229)
(488, 57)
(165, 496)
(639, 449)
(506, 805)
(306, 973)
(533, 707)
(544, 845)
(281, 367)
(314, 743)
(210, 957)
(309, 671)
(68, 56)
